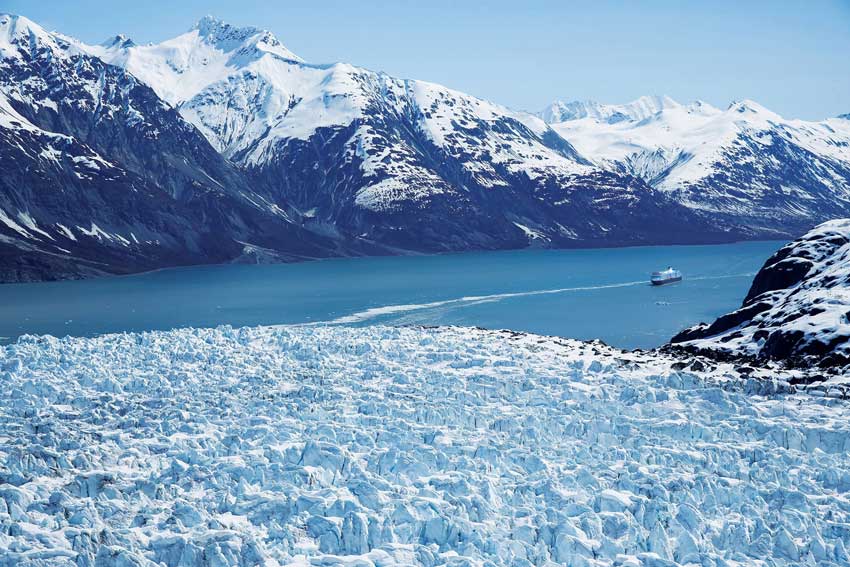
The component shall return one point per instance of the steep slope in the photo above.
(101, 175)
(61, 206)
(797, 309)
(744, 165)
(407, 164)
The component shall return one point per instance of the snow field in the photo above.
(401, 446)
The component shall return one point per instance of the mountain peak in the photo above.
(18, 33)
(12, 25)
(119, 41)
(702, 108)
(648, 105)
(14, 20)
(746, 105)
(655, 101)
(229, 38)
(637, 110)
(214, 29)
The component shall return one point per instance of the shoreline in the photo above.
(406, 254)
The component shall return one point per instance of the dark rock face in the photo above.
(796, 311)
(722, 324)
(598, 209)
(792, 263)
(100, 176)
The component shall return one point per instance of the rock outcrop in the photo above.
(796, 311)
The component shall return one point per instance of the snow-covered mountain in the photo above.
(640, 109)
(400, 163)
(100, 175)
(224, 145)
(797, 309)
(745, 164)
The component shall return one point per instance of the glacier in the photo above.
(411, 446)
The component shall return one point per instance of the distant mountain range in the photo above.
(221, 145)
(745, 165)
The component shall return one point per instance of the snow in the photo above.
(384, 194)
(179, 68)
(96, 232)
(530, 233)
(250, 100)
(402, 446)
(447, 113)
(689, 137)
(635, 111)
(815, 307)
(672, 146)
(87, 161)
(214, 70)
(15, 29)
(29, 222)
(11, 119)
(67, 232)
(9, 222)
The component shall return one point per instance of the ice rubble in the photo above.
(399, 446)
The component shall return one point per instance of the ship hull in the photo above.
(666, 281)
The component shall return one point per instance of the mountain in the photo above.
(744, 166)
(403, 164)
(222, 145)
(635, 111)
(796, 311)
(102, 176)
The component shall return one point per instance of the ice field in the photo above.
(408, 446)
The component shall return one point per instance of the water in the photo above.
(583, 294)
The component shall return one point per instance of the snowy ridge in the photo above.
(102, 176)
(248, 100)
(391, 163)
(745, 161)
(635, 111)
(181, 67)
(379, 446)
(797, 309)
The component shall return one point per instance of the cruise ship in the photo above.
(666, 276)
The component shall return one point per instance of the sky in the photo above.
(791, 56)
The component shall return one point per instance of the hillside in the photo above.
(796, 312)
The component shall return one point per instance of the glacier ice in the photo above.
(405, 446)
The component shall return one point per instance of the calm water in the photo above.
(573, 293)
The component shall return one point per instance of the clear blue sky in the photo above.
(793, 57)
